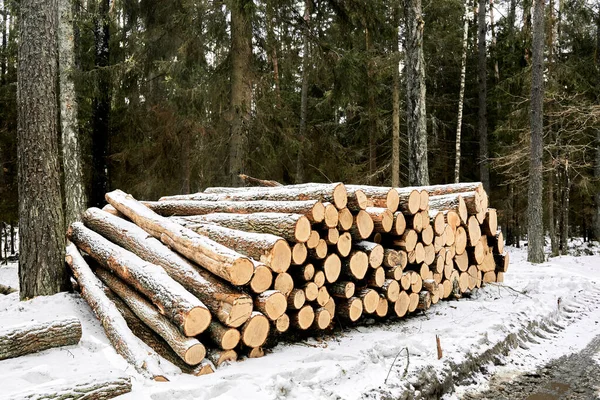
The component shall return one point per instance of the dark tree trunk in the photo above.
(303, 96)
(564, 220)
(597, 166)
(3, 31)
(371, 108)
(535, 228)
(396, 103)
(41, 219)
(12, 238)
(418, 173)
(241, 86)
(484, 172)
(101, 107)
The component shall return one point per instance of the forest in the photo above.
(170, 97)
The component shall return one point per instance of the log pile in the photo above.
(203, 279)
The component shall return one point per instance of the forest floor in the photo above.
(505, 341)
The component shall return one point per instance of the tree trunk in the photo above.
(115, 327)
(3, 48)
(75, 200)
(396, 103)
(566, 192)
(418, 173)
(535, 229)
(371, 108)
(597, 166)
(482, 113)
(98, 386)
(41, 218)
(461, 95)
(241, 85)
(101, 105)
(303, 96)
(33, 337)
(187, 312)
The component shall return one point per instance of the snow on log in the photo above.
(378, 196)
(373, 250)
(188, 349)
(188, 313)
(271, 303)
(312, 209)
(357, 199)
(331, 192)
(292, 227)
(450, 202)
(115, 326)
(209, 254)
(383, 219)
(97, 386)
(228, 304)
(33, 337)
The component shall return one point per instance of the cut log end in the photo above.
(299, 253)
(196, 322)
(281, 256)
(262, 279)
(331, 216)
(351, 309)
(332, 268)
(304, 318)
(344, 244)
(195, 354)
(340, 196)
(284, 283)
(302, 229)
(241, 271)
(364, 224)
(255, 330)
(282, 324)
(239, 311)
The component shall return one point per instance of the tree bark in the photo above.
(597, 166)
(303, 96)
(484, 173)
(535, 231)
(41, 218)
(371, 107)
(396, 101)
(3, 45)
(241, 85)
(461, 95)
(33, 337)
(75, 199)
(97, 387)
(115, 327)
(418, 173)
(566, 194)
(212, 256)
(187, 312)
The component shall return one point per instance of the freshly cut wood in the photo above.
(356, 264)
(284, 283)
(332, 216)
(330, 306)
(461, 261)
(376, 277)
(33, 337)
(303, 272)
(370, 299)
(319, 279)
(476, 254)
(409, 200)
(363, 224)
(413, 302)
(302, 319)
(473, 231)
(312, 209)
(424, 300)
(262, 278)
(343, 289)
(391, 258)
(406, 280)
(357, 199)
(416, 282)
(331, 236)
(439, 242)
(437, 278)
(436, 190)
(460, 240)
(299, 254)
(488, 264)
(323, 296)
(394, 273)
(256, 352)
(115, 326)
(322, 319)
(473, 273)
(501, 262)
(228, 304)
(424, 200)
(383, 307)
(401, 305)
(296, 299)
(489, 277)
(417, 255)
(271, 303)
(399, 224)
(427, 235)
(95, 386)
(450, 202)
(211, 255)
(188, 313)
(463, 282)
(282, 324)
(430, 285)
(219, 357)
(345, 219)
(374, 251)
(496, 242)
(499, 277)
(333, 192)
(407, 241)
(429, 254)
(223, 336)
(311, 291)
(438, 221)
(447, 288)
(332, 267)
(344, 244)
(188, 349)
(415, 222)
(313, 240)
(439, 262)
(391, 289)
(449, 236)
(292, 227)
(383, 219)
(350, 309)
(490, 223)
(378, 196)
(319, 252)
(255, 331)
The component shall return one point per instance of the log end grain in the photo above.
(262, 279)
(364, 224)
(332, 268)
(344, 244)
(299, 253)
(195, 354)
(302, 230)
(255, 330)
(340, 196)
(332, 216)
(196, 321)
(392, 200)
(281, 256)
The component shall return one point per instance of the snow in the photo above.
(355, 362)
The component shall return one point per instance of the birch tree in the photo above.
(461, 95)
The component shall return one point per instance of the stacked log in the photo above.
(230, 271)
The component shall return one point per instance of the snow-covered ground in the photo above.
(357, 360)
